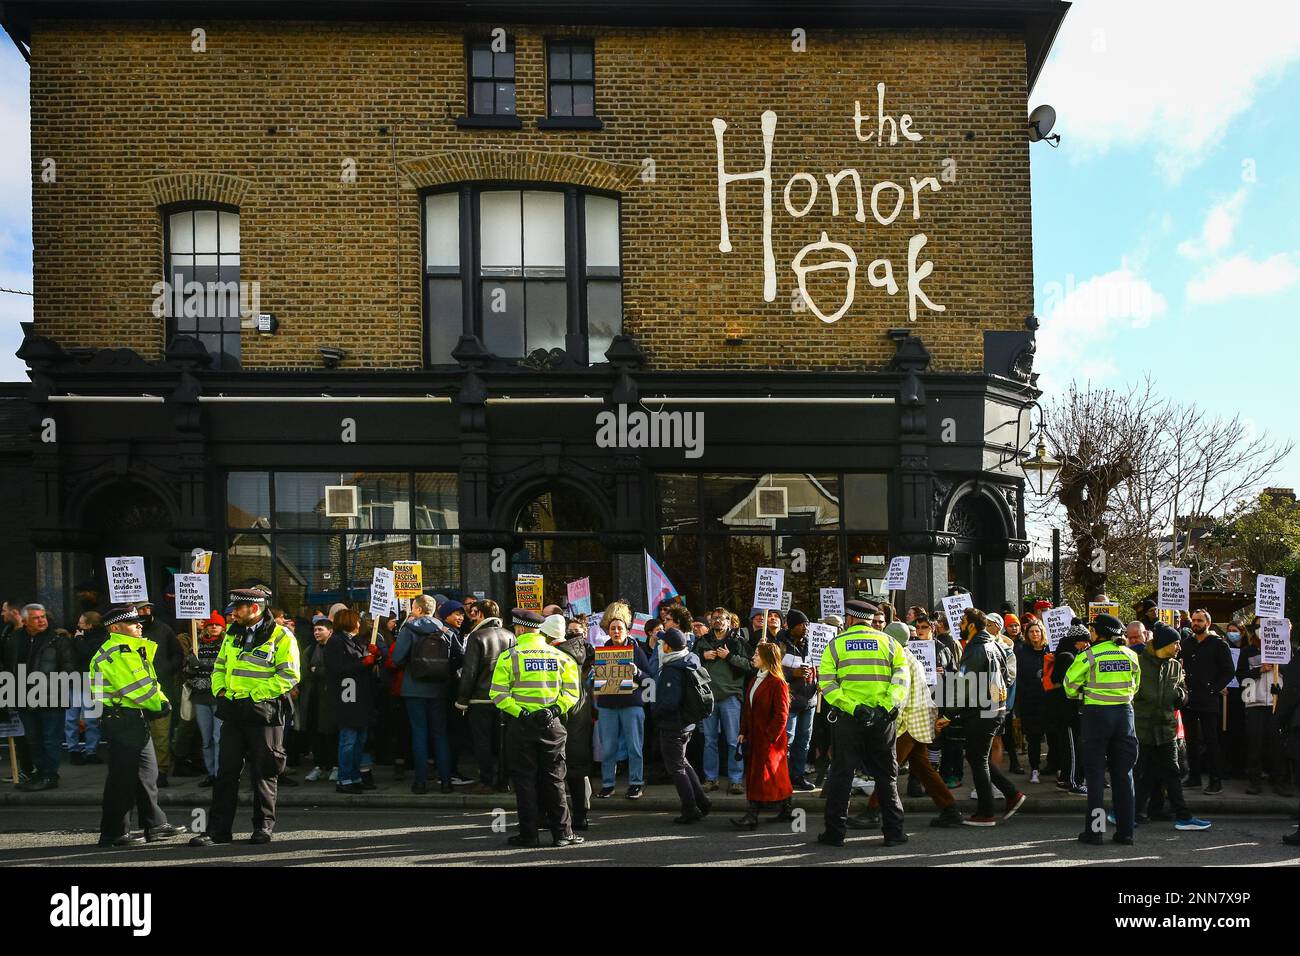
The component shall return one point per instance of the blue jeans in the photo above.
(622, 725)
(43, 727)
(428, 718)
(726, 715)
(799, 730)
(352, 743)
(72, 733)
(205, 715)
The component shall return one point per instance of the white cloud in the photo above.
(1081, 320)
(1173, 76)
(1242, 276)
(1217, 231)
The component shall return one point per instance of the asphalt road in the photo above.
(326, 837)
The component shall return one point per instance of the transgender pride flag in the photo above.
(657, 586)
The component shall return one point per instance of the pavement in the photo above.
(621, 837)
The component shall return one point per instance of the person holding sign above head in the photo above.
(122, 676)
(251, 679)
(865, 676)
(1106, 676)
(535, 685)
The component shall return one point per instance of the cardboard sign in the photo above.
(579, 596)
(1275, 641)
(528, 592)
(952, 609)
(1057, 622)
(1175, 592)
(383, 600)
(925, 653)
(768, 585)
(1096, 607)
(787, 598)
(819, 637)
(126, 580)
(202, 561)
(615, 669)
(1270, 596)
(896, 576)
(192, 602)
(832, 602)
(408, 579)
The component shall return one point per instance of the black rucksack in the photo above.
(697, 695)
(431, 657)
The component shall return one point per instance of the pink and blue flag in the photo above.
(657, 586)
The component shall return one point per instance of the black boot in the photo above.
(786, 813)
(750, 820)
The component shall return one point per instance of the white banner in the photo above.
(952, 608)
(1270, 596)
(768, 584)
(383, 596)
(1057, 622)
(832, 602)
(819, 636)
(1175, 592)
(126, 580)
(1275, 641)
(896, 576)
(925, 653)
(192, 601)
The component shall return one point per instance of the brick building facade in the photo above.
(507, 218)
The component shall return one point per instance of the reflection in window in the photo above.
(248, 499)
(559, 509)
(203, 264)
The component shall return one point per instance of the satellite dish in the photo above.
(1041, 121)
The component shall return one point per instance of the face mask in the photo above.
(1234, 637)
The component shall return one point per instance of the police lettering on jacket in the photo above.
(862, 644)
(545, 664)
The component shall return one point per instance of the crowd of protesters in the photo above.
(412, 693)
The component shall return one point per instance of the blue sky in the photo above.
(1166, 227)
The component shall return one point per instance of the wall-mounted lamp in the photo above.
(333, 356)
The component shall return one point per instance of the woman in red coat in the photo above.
(764, 712)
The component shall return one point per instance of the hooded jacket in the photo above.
(674, 671)
(409, 635)
(484, 644)
(1162, 690)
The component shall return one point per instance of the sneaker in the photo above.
(1192, 823)
(606, 792)
(260, 837)
(207, 839)
(1079, 790)
(1110, 818)
(164, 832)
(867, 820)
(709, 786)
(979, 821)
(1014, 803)
(737, 790)
(334, 774)
(458, 781)
(634, 792)
(571, 840)
(948, 817)
(952, 783)
(802, 786)
(314, 774)
(1033, 776)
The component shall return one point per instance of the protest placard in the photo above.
(1270, 596)
(1175, 592)
(595, 633)
(408, 579)
(1057, 622)
(896, 576)
(953, 606)
(615, 669)
(768, 584)
(1099, 607)
(192, 603)
(579, 596)
(832, 602)
(126, 580)
(925, 653)
(1167, 616)
(819, 636)
(201, 561)
(528, 592)
(1275, 640)
(383, 599)
(787, 598)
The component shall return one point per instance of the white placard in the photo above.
(832, 602)
(126, 580)
(383, 597)
(1275, 641)
(1270, 596)
(952, 608)
(787, 598)
(925, 653)
(192, 602)
(896, 576)
(1057, 622)
(1175, 592)
(819, 636)
(768, 585)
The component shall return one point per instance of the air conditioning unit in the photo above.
(342, 501)
(771, 502)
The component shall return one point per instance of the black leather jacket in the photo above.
(483, 646)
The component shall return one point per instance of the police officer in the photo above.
(535, 685)
(1106, 675)
(254, 672)
(865, 677)
(123, 679)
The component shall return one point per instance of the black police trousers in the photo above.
(870, 747)
(132, 774)
(537, 769)
(262, 747)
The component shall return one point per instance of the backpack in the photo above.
(697, 695)
(431, 657)
(1048, 660)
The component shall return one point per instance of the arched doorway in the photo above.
(129, 518)
(981, 535)
(558, 532)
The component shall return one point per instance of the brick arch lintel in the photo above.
(196, 186)
(522, 165)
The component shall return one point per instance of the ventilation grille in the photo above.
(342, 501)
(772, 502)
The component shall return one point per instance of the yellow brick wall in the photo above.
(131, 116)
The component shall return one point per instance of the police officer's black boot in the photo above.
(750, 820)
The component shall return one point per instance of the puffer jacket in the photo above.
(1162, 690)
(488, 641)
